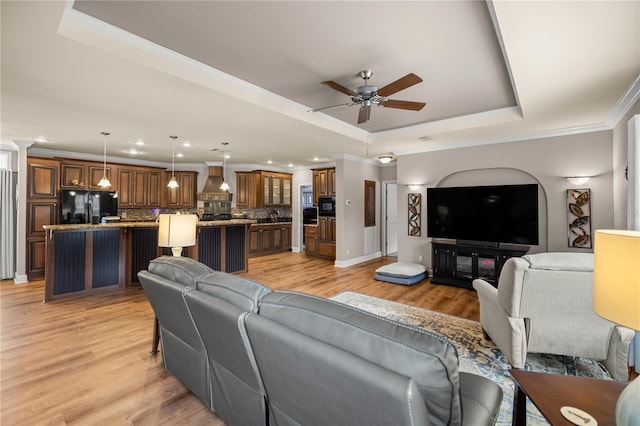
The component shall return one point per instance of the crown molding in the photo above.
(506, 139)
(625, 103)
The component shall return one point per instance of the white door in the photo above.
(391, 208)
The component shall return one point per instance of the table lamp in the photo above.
(616, 297)
(177, 231)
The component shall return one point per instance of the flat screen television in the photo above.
(82, 206)
(487, 214)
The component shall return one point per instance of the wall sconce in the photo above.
(384, 159)
(578, 180)
(177, 231)
(414, 187)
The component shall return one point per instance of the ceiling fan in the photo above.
(367, 96)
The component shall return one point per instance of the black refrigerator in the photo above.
(81, 206)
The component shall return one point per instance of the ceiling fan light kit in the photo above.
(367, 95)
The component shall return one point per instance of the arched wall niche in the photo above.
(498, 176)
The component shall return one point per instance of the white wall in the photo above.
(620, 153)
(351, 172)
(544, 161)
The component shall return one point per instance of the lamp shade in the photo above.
(616, 275)
(177, 231)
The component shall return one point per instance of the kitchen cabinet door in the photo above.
(42, 180)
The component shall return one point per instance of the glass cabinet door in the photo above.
(266, 190)
(286, 192)
(275, 190)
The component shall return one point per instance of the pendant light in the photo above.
(104, 182)
(225, 185)
(173, 183)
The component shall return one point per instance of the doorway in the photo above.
(306, 205)
(390, 243)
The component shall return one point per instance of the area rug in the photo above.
(476, 354)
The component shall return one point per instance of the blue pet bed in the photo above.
(401, 273)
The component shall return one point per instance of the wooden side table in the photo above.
(549, 392)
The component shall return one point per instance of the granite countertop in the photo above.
(74, 226)
(269, 222)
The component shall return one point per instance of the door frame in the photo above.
(384, 235)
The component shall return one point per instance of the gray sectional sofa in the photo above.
(289, 358)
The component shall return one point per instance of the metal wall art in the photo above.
(414, 214)
(579, 217)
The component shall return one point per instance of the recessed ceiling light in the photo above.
(316, 159)
(133, 151)
(41, 139)
(269, 162)
(290, 165)
(179, 154)
(226, 155)
(187, 144)
(139, 142)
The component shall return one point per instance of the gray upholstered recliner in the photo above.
(183, 352)
(323, 362)
(217, 307)
(543, 304)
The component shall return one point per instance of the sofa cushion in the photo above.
(429, 359)
(561, 261)
(239, 291)
(179, 269)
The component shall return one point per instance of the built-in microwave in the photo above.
(327, 206)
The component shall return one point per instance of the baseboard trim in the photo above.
(20, 279)
(355, 261)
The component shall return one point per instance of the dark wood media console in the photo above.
(458, 264)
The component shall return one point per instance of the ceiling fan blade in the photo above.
(400, 84)
(414, 106)
(329, 107)
(340, 88)
(365, 113)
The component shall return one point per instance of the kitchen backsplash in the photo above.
(149, 215)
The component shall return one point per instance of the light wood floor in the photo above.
(85, 360)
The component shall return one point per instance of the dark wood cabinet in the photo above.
(324, 183)
(269, 239)
(43, 178)
(84, 174)
(311, 240)
(327, 236)
(42, 209)
(138, 188)
(459, 264)
(184, 196)
(261, 188)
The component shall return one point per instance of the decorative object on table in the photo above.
(616, 297)
(177, 231)
(579, 217)
(477, 355)
(414, 214)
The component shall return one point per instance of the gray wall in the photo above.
(544, 161)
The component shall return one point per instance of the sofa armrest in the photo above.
(508, 333)
(617, 362)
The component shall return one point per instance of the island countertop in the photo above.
(154, 224)
(85, 258)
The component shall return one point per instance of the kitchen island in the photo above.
(85, 258)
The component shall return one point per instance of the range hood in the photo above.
(211, 190)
